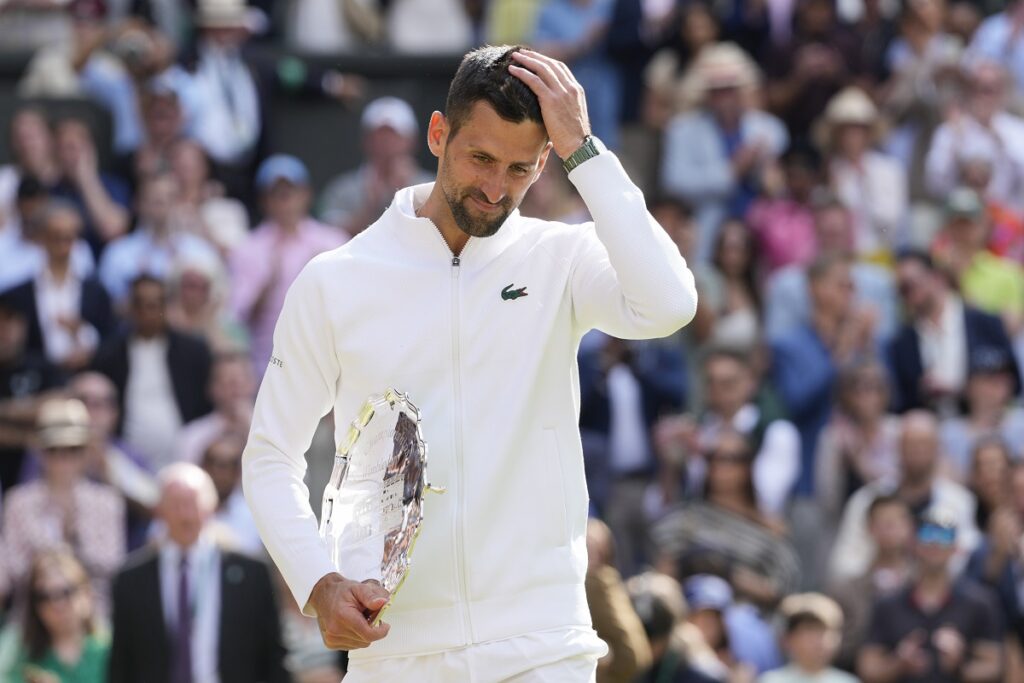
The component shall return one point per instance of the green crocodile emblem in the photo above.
(509, 294)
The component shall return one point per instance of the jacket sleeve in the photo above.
(297, 391)
(628, 278)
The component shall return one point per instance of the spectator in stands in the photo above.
(222, 460)
(217, 607)
(807, 70)
(872, 185)
(102, 199)
(21, 249)
(440, 27)
(67, 314)
(805, 360)
(990, 478)
(813, 629)
(787, 303)
(232, 392)
(860, 444)
(680, 653)
(999, 560)
(108, 460)
(63, 508)
(354, 200)
(996, 40)
(160, 373)
(935, 630)
(891, 527)
(920, 483)
(668, 76)
(32, 155)
(782, 218)
(713, 157)
(981, 126)
(199, 290)
(159, 242)
(223, 221)
(61, 636)
(624, 386)
(264, 266)
(990, 409)
(726, 533)
(930, 355)
(26, 378)
(738, 321)
(615, 620)
(991, 283)
(163, 122)
(733, 404)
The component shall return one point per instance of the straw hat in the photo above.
(724, 65)
(222, 14)
(850, 106)
(63, 423)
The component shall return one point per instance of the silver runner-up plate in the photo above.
(373, 504)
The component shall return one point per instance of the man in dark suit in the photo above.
(161, 374)
(189, 611)
(67, 314)
(928, 358)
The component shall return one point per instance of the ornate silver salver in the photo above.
(373, 504)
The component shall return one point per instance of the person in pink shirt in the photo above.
(266, 263)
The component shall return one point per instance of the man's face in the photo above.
(989, 391)
(232, 382)
(30, 137)
(967, 232)
(987, 92)
(286, 203)
(726, 103)
(892, 528)
(182, 512)
(833, 290)
(833, 229)
(919, 451)
(148, 308)
(915, 285)
(730, 385)
(59, 235)
(811, 646)
(223, 462)
(100, 399)
(157, 200)
(73, 140)
(383, 144)
(487, 166)
(935, 547)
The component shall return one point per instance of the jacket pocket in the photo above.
(554, 491)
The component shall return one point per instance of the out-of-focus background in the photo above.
(821, 474)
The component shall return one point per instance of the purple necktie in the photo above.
(182, 666)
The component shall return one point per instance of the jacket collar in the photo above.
(423, 240)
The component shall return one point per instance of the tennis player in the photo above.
(477, 312)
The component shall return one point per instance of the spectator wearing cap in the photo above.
(982, 126)
(264, 266)
(160, 373)
(679, 650)
(67, 314)
(714, 156)
(872, 185)
(26, 378)
(891, 526)
(354, 200)
(921, 484)
(102, 199)
(21, 249)
(63, 508)
(742, 640)
(937, 630)
(991, 283)
(157, 244)
(930, 355)
(812, 634)
(990, 409)
(787, 303)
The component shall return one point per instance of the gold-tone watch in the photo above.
(590, 148)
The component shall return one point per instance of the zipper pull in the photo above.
(455, 261)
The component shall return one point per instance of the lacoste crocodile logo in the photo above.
(509, 294)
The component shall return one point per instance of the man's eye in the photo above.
(520, 170)
(481, 158)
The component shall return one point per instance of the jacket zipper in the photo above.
(460, 529)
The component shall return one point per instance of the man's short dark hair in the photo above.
(483, 76)
(724, 352)
(918, 256)
(823, 265)
(669, 201)
(886, 500)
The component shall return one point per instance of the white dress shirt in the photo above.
(152, 421)
(204, 588)
(943, 346)
(627, 433)
(62, 300)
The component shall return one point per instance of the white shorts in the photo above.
(549, 657)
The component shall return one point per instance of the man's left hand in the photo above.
(562, 101)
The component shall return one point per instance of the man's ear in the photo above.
(437, 134)
(542, 162)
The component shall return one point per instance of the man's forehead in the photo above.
(486, 131)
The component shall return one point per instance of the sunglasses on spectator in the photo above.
(936, 535)
(56, 595)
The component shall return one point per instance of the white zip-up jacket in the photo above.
(502, 553)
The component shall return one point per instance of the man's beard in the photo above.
(470, 224)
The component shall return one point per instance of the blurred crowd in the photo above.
(820, 479)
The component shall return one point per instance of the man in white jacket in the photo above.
(477, 313)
